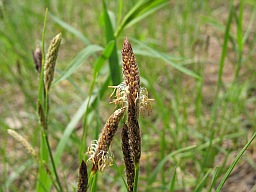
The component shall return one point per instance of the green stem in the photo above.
(53, 164)
(92, 181)
(224, 179)
(48, 144)
(136, 178)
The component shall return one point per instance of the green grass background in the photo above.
(196, 58)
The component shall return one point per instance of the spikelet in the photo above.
(99, 150)
(24, 142)
(145, 106)
(121, 91)
(131, 77)
(82, 178)
(134, 133)
(121, 98)
(128, 160)
(37, 56)
(131, 73)
(50, 61)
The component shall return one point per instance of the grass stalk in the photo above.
(136, 178)
(224, 49)
(231, 167)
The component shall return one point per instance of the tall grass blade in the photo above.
(113, 59)
(165, 58)
(141, 10)
(105, 55)
(81, 57)
(239, 39)
(224, 49)
(71, 29)
(231, 167)
(214, 177)
(146, 12)
(172, 186)
(202, 182)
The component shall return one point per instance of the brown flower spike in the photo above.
(83, 178)
(131, 77)
(99, 151)
(128, 160)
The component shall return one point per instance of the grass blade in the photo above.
(202, 182)
(113, 59)
(78, 61)
(148, 11)
(167, 59)
(105, 55)
(214, 177)
(141, 10)
(77, 117)
(70, 29)
(222, 182)
(173, 181)
(158, 168)
(69, 129)
(224, 49)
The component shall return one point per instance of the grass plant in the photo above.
(196, 59)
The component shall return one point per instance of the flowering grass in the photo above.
(196, 59)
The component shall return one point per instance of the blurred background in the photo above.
(196, 58)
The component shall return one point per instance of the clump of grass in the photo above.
(129, 98)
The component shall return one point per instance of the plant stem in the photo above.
(48, 144)
(136, 178)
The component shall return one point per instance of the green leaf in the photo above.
(224, 49)
(167, 59)
(202, 182)
(141, 10)
(78, 61)
(75, 120)
(69, 129)
(173, 181)
(113, 59)
(234, 163)
(148, 11)
(70, 29)
(105, 55)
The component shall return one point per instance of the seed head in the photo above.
(83, 178)
(128, 160)
(50, 61)
(24, 142)
(134, 133)
(131, 72)
(99, 151)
